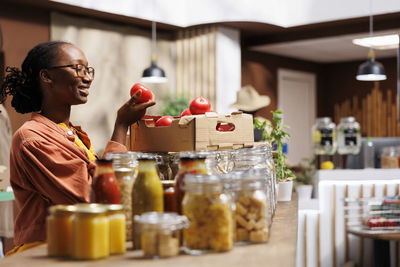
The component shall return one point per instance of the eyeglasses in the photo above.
(81, 70)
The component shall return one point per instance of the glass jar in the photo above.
(208, 209)
(59, 230)
(117, 221)
(105, 185)
(349, 136)
(169, 196)
(90, 232)
(147, 193)
(125, 167)
(324, 136)
(389, 158)
(253, 211)
(160, 233)
(189, 162)
(259, 157)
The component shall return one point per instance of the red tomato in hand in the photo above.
(164, 121)
(106, 189)
(186, 112)
(199, 105)
(146, 93)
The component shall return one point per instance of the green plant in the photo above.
(261, 126)
(277, 137)
(306, 171)
(174, 105)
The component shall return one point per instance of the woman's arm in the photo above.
(128, 114)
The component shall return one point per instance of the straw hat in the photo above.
(248, 99)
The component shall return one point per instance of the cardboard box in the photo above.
(196, 132)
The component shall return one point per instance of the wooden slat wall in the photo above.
(376, 112)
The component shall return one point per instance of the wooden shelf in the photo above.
(279, 251)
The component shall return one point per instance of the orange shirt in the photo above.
(46, 169)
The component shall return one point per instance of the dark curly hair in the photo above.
(23, 84)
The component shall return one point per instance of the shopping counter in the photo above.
(279, 251)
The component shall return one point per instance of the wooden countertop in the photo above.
(279, 251)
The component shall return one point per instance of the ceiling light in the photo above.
(371, 70)
(379, 42)
(153, 74)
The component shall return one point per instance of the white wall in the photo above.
(228, 68)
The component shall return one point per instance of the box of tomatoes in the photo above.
(209, 131)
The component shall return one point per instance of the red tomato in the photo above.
(106, 189)
(186, 112)
(199, 105)
(164, 121)
(146, 93)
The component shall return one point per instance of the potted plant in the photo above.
(260, 134)
(284, 175)
(304, 177)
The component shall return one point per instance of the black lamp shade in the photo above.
(371, 70)
(153, 74)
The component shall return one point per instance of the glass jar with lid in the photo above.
(125, 167)
(117, 221)
(259, 157)
(147, 193)
(253, 211)
(324, 136)
(160, 233)
(349, 136)
(59, 230)
(90, 232)
(169, 196)
(189, 162)
(209, 211)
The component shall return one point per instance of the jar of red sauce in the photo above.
(169, 196)
(189, 162)
(105, 185)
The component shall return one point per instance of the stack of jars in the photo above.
(85, 231)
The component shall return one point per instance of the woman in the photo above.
(51, 160)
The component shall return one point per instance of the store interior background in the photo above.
(26, 23)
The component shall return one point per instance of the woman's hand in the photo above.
(128, 114)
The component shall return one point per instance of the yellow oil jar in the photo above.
(90, 232)
(117, 221)
(59, 228)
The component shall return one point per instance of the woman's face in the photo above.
(67, 87)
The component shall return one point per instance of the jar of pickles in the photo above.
(252, 206)
(324, 136)
(125, 167)
(117, 221)
(160, 233)
(147, 193)
(189, 162)
(59, 230)
(90, 232)
(208, 209)
(349, 136)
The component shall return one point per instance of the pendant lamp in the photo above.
(153, 74)
(371, 70)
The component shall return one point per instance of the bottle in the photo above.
(324, 136)
(147, 193)
(189, 162)
(125, 167)
(105, 185)
(369, 154)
